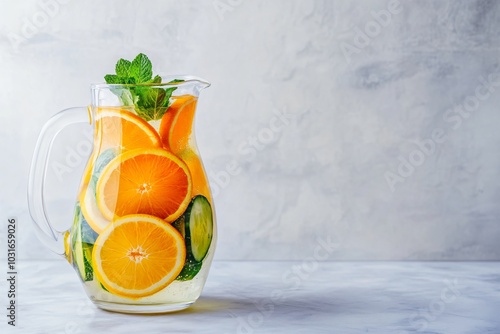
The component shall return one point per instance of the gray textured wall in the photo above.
(381, 138)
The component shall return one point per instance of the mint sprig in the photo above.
(150, 102)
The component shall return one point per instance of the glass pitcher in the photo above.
(143, 233)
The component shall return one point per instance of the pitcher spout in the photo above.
(186, 84)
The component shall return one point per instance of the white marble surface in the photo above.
(242, 297)
(353, 116)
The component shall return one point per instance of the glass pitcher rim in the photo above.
(167, 80)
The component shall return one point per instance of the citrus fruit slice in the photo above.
(198, 176)
(87, 172)
(87, 198)
(176, 125)
(90, 210)
(118, 130)
(138, 255)
(144, 181)
(123, 130)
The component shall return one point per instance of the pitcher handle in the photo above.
(49, 236)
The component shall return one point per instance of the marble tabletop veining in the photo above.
(283, 297)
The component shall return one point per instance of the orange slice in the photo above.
(122, 129)
(175, 132)
(144, 181)
(138, 255)
(198, 176)
(177, 123)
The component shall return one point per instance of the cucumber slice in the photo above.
(180, 225)
(199, 227)
(82, 243)
(103, 287)
(83, 256)
(191, 267)
(196, 227)
(189, 271)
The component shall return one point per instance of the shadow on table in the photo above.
(241, 306)
(207, 304)
(326, 303)
(204, 305)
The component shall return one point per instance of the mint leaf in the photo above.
(150, 102)
(156, 79)
(152, 98)
(115, 79)
(153, 102)
(169, 92)
(112, 79)
(127, 97)
(122, 68)
(141, 68)
(128, 81)
(124, 94)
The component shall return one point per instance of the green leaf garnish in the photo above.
(150, 102)
(123, 68)
(156, 79)
(141, 68)
(112, 79)
(154, 102)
